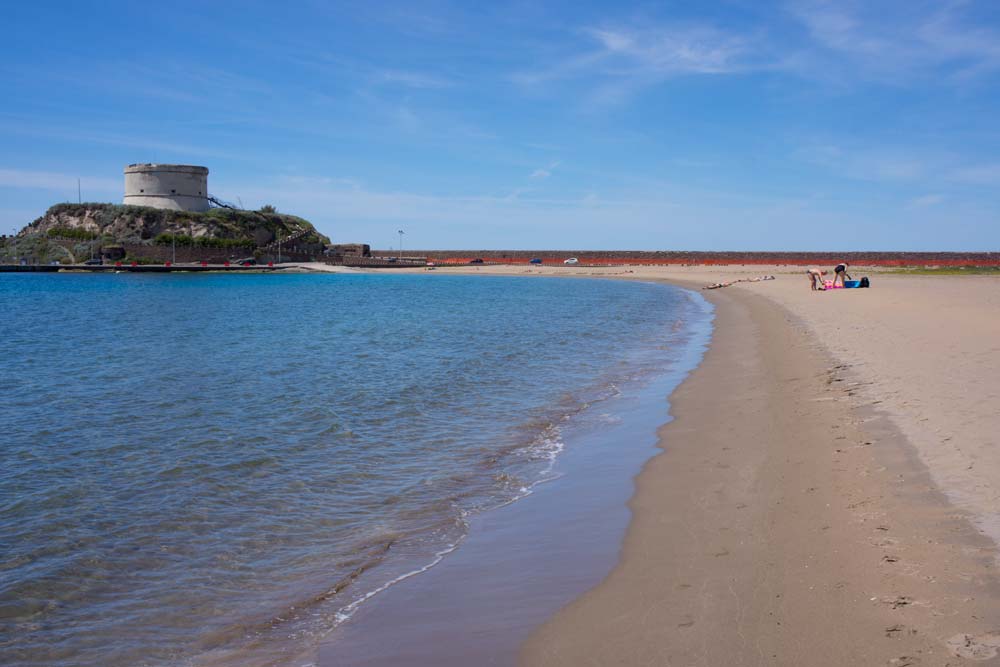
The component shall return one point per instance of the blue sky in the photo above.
(799, 125)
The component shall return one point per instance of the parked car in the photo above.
(571, 260)
(93, 262)
(249, 261)
(477, 260)
(535, 260)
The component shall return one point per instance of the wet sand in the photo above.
(522, 562)
(790, 520)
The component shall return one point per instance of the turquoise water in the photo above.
(201, 464)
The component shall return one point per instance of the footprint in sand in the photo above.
(897, 602)
(974, 647)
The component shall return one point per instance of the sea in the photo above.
(230, 469)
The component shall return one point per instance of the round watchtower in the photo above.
(180, 187)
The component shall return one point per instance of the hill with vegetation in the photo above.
(67, 232)
(140, 224)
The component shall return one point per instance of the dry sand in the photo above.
(827, 493)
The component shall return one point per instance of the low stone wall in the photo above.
(378, 262)
(289, 256)
(641, 257)
(185, 254)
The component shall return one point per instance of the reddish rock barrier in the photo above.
(654, 258)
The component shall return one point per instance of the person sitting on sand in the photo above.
(841, 272)
(815, 279)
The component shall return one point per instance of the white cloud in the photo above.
(673, 50)
(926, 201)
(412, 79)
(47, 180)
(983, 174)
(406, 118)
(873, 41)
(142, 145)
(544, 172)
(648, 55)
(902, 165)
(847, 41)
(659, 215)
(867, 164)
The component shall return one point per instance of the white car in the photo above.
(571, 260)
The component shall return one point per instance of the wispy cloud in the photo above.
(902, 166)
(868, 164)
(846, 40)
(173, 81)
(647, 55)
(412, 79)
(18, 126)
(981, 174)
(673, 50)
(48, 180)
(916, 43)
(926, 201)
(350, 211)
(544, 172)
(366, 74)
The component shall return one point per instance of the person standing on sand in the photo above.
(841, 271)
(815, 278)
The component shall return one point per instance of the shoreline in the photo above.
(521, 562)
(909, 574)
(803, 528)
(822, 492)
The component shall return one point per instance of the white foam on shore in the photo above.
(346, 612)
(549, 445)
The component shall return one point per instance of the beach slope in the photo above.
(788, 522)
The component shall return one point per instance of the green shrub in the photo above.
(169, 239)
(72, 233)
(230, 228)
(202, 241)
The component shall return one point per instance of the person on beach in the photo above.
(841, 272)
(815, 279)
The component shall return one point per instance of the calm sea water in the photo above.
(203, 465)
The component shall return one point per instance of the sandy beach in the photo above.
(825, 494)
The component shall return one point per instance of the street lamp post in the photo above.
(400, 244)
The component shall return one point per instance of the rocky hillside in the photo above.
(113, 223)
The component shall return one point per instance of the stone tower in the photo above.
(179, 187)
